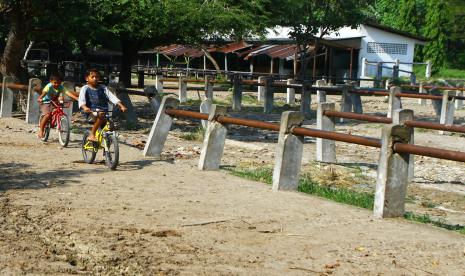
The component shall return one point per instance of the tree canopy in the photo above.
(130, 25)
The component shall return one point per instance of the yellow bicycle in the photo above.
(107, 140)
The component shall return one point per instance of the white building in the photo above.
(370, 41)
(378, 43)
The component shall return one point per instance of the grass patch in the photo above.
(196, 135)
(426, 219)
(339, 194)
(309, 186)
(263, 174)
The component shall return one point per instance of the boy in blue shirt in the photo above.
(53, 91)
(94, 98)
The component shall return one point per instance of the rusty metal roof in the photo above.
(180, 50)
(273, 51)
(233, 47)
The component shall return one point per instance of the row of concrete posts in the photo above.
(392, 168)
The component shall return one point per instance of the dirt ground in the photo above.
(59, 215)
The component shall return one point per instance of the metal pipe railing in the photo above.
(435, 87)
(330, 135)
(384, 120)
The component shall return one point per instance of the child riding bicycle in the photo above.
(53, 91)
(94, 98)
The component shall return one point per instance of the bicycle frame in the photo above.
(57, 112)
(100, 135)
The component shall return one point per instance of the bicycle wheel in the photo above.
(63, 131)
(112, 154)
(46, 129)
(88, 149)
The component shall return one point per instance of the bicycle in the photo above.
(59, 120)
(107, 140)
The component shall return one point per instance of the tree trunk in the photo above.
(129, 51)
(213, 61)
(14, 48)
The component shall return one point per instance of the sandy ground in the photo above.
(59, 215)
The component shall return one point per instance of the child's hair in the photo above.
(55, 77)
(93, 70)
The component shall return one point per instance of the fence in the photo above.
(393, 162)
(395, 69)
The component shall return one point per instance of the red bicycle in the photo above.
(59, 120)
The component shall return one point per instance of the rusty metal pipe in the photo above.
(371, 142)
(436, 126)
(342, 137)
(186, 114)
(15, 86)
(436, 87)
(356, 116)
(248, 122)
(431, 152)
(384, 120)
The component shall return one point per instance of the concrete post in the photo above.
(391, 183)
(364, 68)
(160, 128)
(208, 87)
(379, 74)
(237, 93)
(182, 89)
(437, 104)
(288, 153)
(140, 78)
(422, 90)
(447, 110)
(459, 102)
(394, 102)
(346, 101)
(159, 83)
(356, 99)
(325, 149)
(130, 115)
(290, 95)
(261, 89)
(6, 106)
(205, 107)
(413, 78)
(69, 85)
(400, 116)
(320, 94)
(395, 72)
(306, 99)
(33, 110)
(213, 143)
(269, 96)
(154, 97)
(428, 69)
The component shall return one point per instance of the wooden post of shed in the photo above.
(351, 62)
(271, 65)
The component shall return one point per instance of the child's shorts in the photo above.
(45, 108)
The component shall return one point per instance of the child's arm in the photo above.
(41, 96)
(72, 95)
(85, 108)
(122, 107)
(82, 100)
(112, 98)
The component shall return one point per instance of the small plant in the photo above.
(425, 218)
(196, 135)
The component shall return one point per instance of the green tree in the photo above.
(148, 23)
(311, 18)
(436, 30)
(18, 16)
